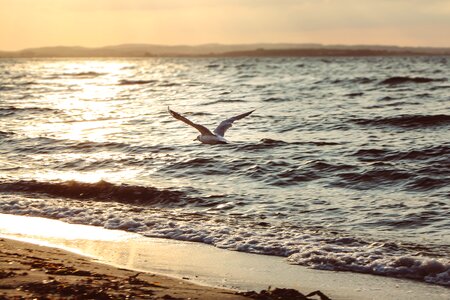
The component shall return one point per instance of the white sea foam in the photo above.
(316, 249)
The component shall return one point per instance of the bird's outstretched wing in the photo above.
(224, 125)
(201, 128)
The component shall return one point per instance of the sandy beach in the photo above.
(29, 271)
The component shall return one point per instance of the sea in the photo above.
(344, 165)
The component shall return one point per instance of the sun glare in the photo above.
(87, 95)
(87, 177)
(40, 228)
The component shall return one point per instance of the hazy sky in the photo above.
(35, 23)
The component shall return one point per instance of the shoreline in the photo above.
(40, 268)
(203, 265)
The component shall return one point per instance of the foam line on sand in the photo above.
(205, 266)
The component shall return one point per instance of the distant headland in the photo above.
(222, 50)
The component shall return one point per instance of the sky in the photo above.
(94, 23)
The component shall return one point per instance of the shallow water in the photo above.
(344, 165)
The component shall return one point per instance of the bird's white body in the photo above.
(212, 139)
(207, 136)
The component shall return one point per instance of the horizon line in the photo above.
(226, 44)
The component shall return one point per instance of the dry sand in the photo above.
(29, 271)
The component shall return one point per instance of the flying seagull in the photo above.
(206, 136)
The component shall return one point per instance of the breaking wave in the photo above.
(372, 259)
(312, 247)
(99, 191)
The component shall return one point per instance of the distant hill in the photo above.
(219, 50)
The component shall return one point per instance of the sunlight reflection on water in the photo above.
(45, 228)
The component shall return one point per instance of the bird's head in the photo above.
(197, 138)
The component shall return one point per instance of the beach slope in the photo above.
(32, 271)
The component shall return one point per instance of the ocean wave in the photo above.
(82, 74)
(374, 154)
(47, 145)
(436, 167)
(276, 99)
(387, 98)
(372, 259)
(99, 191)
(275, 172)
(356, 94)
(363, 80)
(4, 87)
(425, 183)
(245, 66)
(407, 121)
(326, 166)
(5, 112)
(224, 101)
(317, 143)
(392, 104)
(11, 110)
(409, 220)
(406, 79)
(284, 173)
(429, 171)
(344, 81)
(372, 178)
(292, 127)
(246, 76)
(267, 143)
(197, 113)
(168, 84)
(292, 176)
(440, 87)
(135, 82)
(197, 162)
(38, 109)
(197, 166)
(51, 145)
(262, 145)
(312, 247)
(4, 134)
(25, 83)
